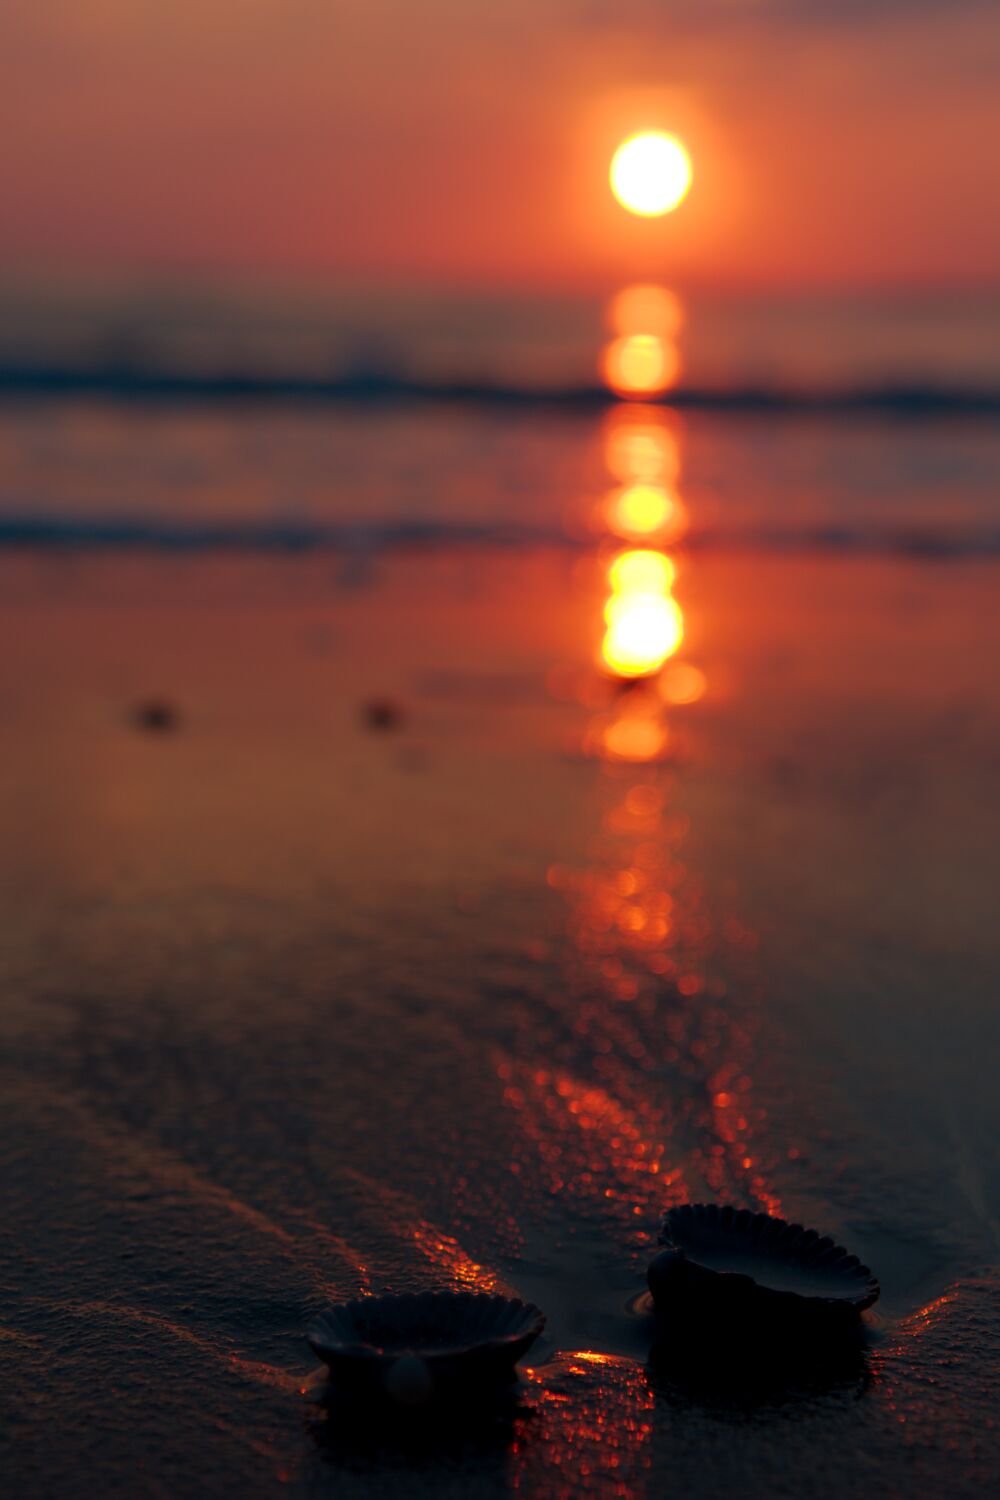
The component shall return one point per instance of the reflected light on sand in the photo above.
(681, 683)
(640, 364)
(635, 739)
(587, 1430)
(635, 731)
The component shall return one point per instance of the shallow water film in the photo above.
(435, 842)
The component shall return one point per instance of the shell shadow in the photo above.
(745, 1367)
(384, 1439)
(421, 1381)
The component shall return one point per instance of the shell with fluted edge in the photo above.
(415, 1345)
(739, 1259)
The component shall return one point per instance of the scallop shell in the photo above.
(414, 1346)
(735, 1260)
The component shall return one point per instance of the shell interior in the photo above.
(430, 1324)
(779, 1256)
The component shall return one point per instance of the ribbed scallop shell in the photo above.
(756, 1253)
(458, 1335)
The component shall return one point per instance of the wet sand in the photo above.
(295, 1006)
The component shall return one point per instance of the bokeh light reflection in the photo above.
(642, 360)
(681, 683)
(638, 512)
(645, 308)
(641, 571)
(641, 445)
(644, 622)
(634, 737)
(643, 630)
(640, 364)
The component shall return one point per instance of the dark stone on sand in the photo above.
(382, 715)
(156, 716)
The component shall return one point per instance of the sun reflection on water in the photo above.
(639, 917)
(641, 445)
(632, 1085)
(645, 308)
(643, 628)
(640, 364)
(644, 622)
(642, 360)
(638, 512)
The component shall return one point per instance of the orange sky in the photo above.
(834, 141)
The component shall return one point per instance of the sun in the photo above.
(650, 173)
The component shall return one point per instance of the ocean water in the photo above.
(540, 342)
(618, 905)
(192, 418)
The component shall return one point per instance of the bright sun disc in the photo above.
(650, 173)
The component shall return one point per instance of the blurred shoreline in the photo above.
(200, 340)
(919, 399)
(352, 539)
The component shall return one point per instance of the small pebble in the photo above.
(382, 715)
(155, 716)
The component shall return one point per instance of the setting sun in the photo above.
(650, 173)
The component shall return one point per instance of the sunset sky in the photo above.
(834, 142)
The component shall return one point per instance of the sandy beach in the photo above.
(499, 750)
(300, 1000)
